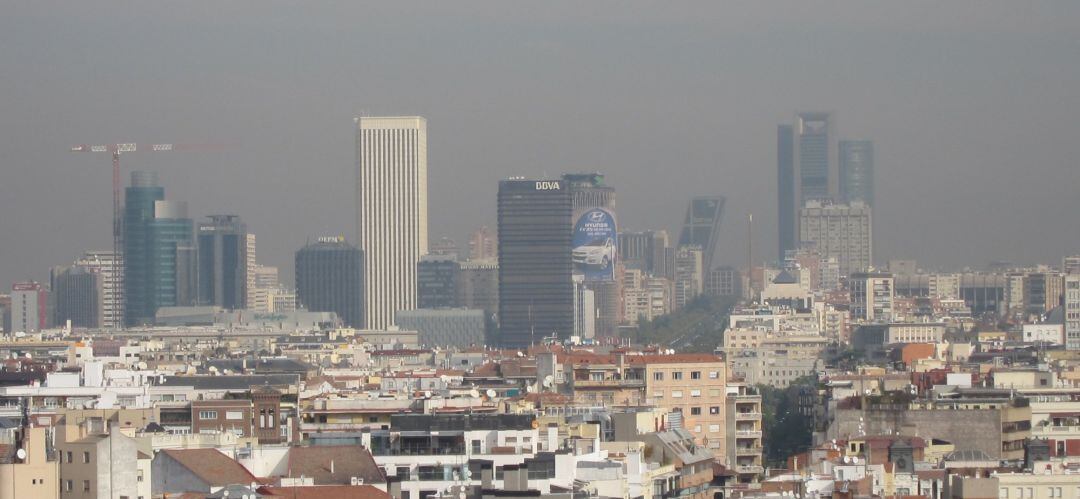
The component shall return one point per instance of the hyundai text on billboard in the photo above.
(594, 245)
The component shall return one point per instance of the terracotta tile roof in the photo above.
(211, 466)
(348, 461)
(326, 492)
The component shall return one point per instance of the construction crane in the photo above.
(118, 224)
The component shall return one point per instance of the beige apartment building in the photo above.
(692, 385)
(34, 473)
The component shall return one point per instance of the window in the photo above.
(68, 486)
(714, 428)
(140, 475)
(658, 376)
(714, 410)
(714, 374)
(86, 485)
(234, 415)
(714, 392)
(676, 394)
(695, 374)
(85, 457)
(476, 449)
(659, 394)
(69, 457)
(207, 414)
(677, 375)
(695, 393)
(695, 411)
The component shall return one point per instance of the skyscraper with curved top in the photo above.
(391, 212)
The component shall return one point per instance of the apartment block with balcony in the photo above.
(744, 454)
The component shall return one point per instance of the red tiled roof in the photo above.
(348, 461)
(211, 466)
(326, 492)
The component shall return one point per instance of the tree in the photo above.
(787, 431)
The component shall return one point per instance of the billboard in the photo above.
(594, 245)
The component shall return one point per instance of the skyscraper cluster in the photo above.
(825, 193)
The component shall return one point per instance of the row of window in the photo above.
(678, 375)
(696, 411)
(678, 394)
(85, 457)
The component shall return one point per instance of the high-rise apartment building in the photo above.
(786, 209)
(1042, 292)
(77, 294)
(262, 279)
(857, 172)
(1072, 311)
(159, 251)
(437, 281)
(689, 275)
(701, 227)
(250, 266)
(29, 307)
(223, 262)
(112, 285)
(536, 293)
(871, 296)
(392, 212)
(329, 278)
(839, 231)
(483, 245)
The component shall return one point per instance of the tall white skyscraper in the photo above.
(391, 212)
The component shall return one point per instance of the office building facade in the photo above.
(701, 227)
(77, 294)
(392, 212)
(437, 281)
(839, 231)
(644, 250)
(786, 209)
(857, 172)
(223, 262)
(813, 132)
(112, 285)
(536, 293)
(329, 278)
(29, 307)
(159, 251)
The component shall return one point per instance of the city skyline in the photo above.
(933, 146)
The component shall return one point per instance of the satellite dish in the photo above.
(548, 380)
(28, 356)
(854, 460)
(491, 393)
(21, 454)
(474, 393)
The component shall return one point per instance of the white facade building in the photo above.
(112, 285)
(391, 212)
(839, 231)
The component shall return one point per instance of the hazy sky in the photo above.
(974, 109)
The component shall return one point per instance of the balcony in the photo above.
(748, 433)
(609, 383)
(747, 451)
(747, 416)
(748, 469)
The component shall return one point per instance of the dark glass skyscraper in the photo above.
(786, 209)
(159, 252)
(857, 171)
(77, 294)
(223, 262)
(702, 226)
(330, 278)
(812, 132)
(536, 293)
(437, 281)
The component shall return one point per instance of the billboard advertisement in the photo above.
(594, 245)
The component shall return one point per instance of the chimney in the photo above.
(331, 466)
